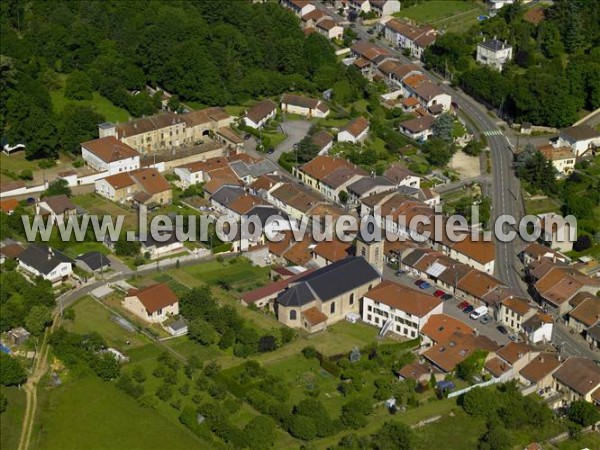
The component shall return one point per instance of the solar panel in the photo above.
(436, 269)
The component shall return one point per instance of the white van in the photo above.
(479, 312)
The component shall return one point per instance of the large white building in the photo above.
(108, 154)
(399, 309)
(494, 53)
(580, 138)
(40, 260)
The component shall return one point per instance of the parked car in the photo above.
(513, 337)
(486, 319)
(446, 297)
(479, 312)
(424, 285)
(454, 105)
(399, 273)
(463, 305)
(247, 136)
(439, 293)
(502, 329)
(419, 282)
(469, 309)
(271, 151)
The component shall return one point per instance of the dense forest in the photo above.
(211, 53)
(556, 61)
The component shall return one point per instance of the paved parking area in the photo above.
(450, 307)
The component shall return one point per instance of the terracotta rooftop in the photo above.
(109, 149)
(477, 283)
(245, 203)
(298, 253)
(11, 251)
(322, 166)
(321, 139)
(513, 351)
(333, 250)
(262, 109)
(556, 154)
(404, 298)
(497, 366)
(155, 297)
(150, 180)
(120, 180)
(588, 312)
(582, 375)
(59, 203)
(271, 289)
(518, 305)
(314, 316)
(417, 125)
(448, 354)
(415, 370)
(356, 126)
(541, 366)
(440, 327)
(8, 205)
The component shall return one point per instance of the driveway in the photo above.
(295, 130)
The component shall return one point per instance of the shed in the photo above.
(19, 336)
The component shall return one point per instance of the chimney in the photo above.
(542, 359)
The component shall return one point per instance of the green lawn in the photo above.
(101, 104)
(78, 248)
(590, 440)
(542, 205)
(92, 316)
(11, 166)
(432, 12)
(95, 204)
(90, 414)
(12, 419)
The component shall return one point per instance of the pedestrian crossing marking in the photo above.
(492, 133)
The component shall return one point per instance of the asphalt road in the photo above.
(506, 192)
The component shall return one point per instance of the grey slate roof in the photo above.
(94, 260)
(42, 258)
(364, 185)
(330, 282)
(494, 45)
(243, 169)
(227, 195)
(264, 212)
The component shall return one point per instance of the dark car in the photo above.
(247, 136)
(446, 297)
(454, 105)
(419, 282)
(502, 329)
(439, 293)
(399, 273)
(271, 151)
(486, 319)
(469, 309)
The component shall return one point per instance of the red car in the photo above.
(463, 305)
(439, 293)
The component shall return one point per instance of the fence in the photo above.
(467, 389)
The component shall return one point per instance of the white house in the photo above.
(43, 261)
(399, 309)
(299, 7)
(58, 208)
(161, 247)
(494, 53)
(401, 176)
(356, 131)
(498, 4)
(119, 187)
(580, 138)
(563, 158)
(385, 7)
(323, 140)
(430, 94)
(260, 114)
(110, 154)
(538, 328)
(310, 107)
(418, 129)
(152, 304)
(360, 5)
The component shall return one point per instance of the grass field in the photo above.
(11, 166)
(90, 414)
(542, 205)
(448, 14)
(100, 104)
(12, 418)
(92, 316)
(78, 248)
(95, 204)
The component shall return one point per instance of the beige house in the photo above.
(327, 295)
(58, 207)
(577, 379)
(514, 311)
(305, 106)
(152, 304)
(118, 188)
(563, 158)
(538, 372)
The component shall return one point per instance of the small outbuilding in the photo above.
(19, 336)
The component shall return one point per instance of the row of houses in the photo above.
(331, 175)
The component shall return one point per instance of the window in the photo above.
(292, 314)
(332, 308)
(352, 299)
(363, 252)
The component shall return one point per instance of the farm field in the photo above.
(12, 418)
(100, 104)
(95, 204)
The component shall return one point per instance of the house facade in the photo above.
(51, 265)
(153, 304)
(305, 106)
(108, 154)
(494, 53)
